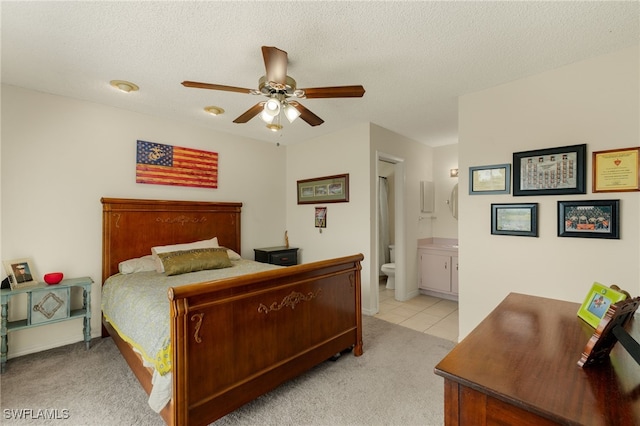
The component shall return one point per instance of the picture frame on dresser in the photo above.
(597, 302)
(589, 219)
(551, 171)
(519, 219)
(21, 272)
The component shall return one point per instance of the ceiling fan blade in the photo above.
(250, 113)
(215, 87)
(306, 115)
(275, 62)
(334, 92)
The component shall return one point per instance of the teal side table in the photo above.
(46, 304)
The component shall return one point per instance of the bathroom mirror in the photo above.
(453, 201)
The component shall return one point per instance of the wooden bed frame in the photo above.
(237, 338)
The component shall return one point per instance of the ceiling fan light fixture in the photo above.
(272, 107)
(124, 86)
(291, 112)
(266, 117)
(274, 127)
(277, 87)
(214, 110)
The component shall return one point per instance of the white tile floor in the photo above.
(426, 314)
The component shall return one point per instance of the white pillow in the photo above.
(233, 255)
(212, 243)
(139, 264)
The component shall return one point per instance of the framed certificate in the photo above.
(616, 170)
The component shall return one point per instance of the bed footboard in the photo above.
(236, 339)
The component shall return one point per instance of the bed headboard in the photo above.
(130, 227)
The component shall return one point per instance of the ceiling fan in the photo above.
(278, 87)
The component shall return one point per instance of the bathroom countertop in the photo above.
(449, 244)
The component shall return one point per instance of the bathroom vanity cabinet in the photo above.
(438, 271)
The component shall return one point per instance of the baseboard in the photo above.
(367, 312)
(59, 343)
(412, 294)
(447, 296)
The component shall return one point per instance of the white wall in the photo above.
(445, 159)
(417, 163)
(594, 102)
(351, 227)
(60, 156)
(347, 230)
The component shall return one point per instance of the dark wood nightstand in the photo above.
(283, 256)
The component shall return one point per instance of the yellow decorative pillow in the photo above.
(184, 261)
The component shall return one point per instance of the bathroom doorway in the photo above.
(390, 172)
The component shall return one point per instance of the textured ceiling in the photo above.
(413, 58)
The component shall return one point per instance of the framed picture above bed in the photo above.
(326, 189)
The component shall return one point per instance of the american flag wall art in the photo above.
(162, 164)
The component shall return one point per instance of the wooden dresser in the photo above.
(519, 367)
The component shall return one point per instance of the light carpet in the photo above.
(392, 383)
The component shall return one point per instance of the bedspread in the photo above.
(137, 306)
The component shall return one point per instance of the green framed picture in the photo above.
(597, 303)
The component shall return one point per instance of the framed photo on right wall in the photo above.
(589, 219)
(514, 219)
(551, 171)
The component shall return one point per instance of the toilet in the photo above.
(389, 269)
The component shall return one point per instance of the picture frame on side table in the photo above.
(589, 219)
(21, 272)
(514, 219)
(552, 171)
(327, 189)
(616, 170)
(495, 179)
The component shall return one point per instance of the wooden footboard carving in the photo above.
(234, 340)
(290, 301)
